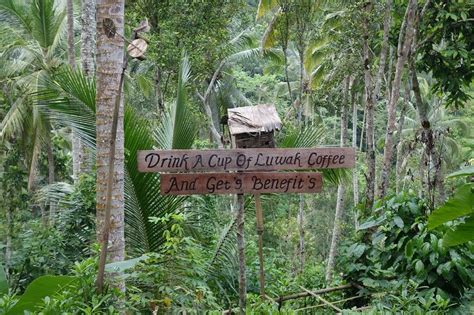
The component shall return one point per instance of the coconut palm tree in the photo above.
(32, 50)
(71, 102)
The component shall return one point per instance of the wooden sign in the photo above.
(267, 159)
(239, 183)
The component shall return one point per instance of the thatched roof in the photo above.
(252, 119)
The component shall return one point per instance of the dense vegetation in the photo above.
(392, 79)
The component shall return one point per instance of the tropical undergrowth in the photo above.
(404, 266)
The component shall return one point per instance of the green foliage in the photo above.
(182, 279)
(408, 297)
(447, 46)
(394, 247)
(44, 286)
(459, 207)
(3, 281)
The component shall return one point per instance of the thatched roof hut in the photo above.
(253, 126)
(253, 119)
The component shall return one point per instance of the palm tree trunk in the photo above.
(336, 232)
(87, 51)
(404, 44)
(71, 57)
(369, 112)
(110, 63)
(88, 37)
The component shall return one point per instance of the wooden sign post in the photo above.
(251, 167)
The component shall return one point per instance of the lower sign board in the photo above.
(239, 183)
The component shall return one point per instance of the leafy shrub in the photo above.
(394, 247)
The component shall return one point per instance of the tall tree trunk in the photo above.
(110, 63)
(404, 45)
(369, 112)
(87, 51)
(426, 134)
(336, 232)
(388, 88)
(88, 37)
(71, 57)
(401, 121)
(355, 173)
(71, 54)
(241, 251)
(383, 50)
(361, 141)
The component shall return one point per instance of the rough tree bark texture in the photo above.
(87, 51)
(404, 44)
(383, 50)
(109, 68)
(71, 57)
(425, 137)
(241, 251)
(401, 121)
(355, 174)
(88, 34)
(369, 112)
(336, 232)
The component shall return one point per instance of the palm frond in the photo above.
(15, 120)
(311, 136)
(68, 97)
(178, 127)
(269, 38)
(15, 15)
(265, 6)
(45, 22)
(56, 193)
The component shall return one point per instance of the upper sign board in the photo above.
(265, 159)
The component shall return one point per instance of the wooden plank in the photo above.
(261, 159)
(240, 183)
